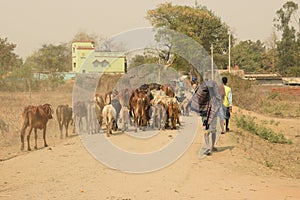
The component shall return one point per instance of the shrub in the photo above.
(248, 123)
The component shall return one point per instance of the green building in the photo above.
(85, 59)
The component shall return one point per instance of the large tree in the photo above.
(50, 58)
(249, 55)
(198, 23)
(9, 61)
(288, 46)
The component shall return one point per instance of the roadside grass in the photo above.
(280, 154)
(249, 123)
(262, 99)
(258, 138)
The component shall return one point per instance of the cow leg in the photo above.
(22, 135)
(107, 130)
(178, 121)
(44, 137)
(60, 128)
(67, 126)
(73, 124)
(28, 139)
(35, 138)
(86, 123)
(135, 123)
(79, 124)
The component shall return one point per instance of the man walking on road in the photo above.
(227, 102)
(206, 101)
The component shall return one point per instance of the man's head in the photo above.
(224, 80)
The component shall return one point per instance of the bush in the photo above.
(248, 123)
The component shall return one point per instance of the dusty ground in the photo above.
(65, 170)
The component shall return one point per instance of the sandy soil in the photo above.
(65, 169)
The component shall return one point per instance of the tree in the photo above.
(287, 47)
(83, 36)
(249, 55)
(8, 59)
(50, 58)
(196, 22)
(271, 55)
(138, 60)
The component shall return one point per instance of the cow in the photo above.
(64, 115)
(168, 90)
(109, 119)
(80, 112)
(117, 105)
(124, 118)
(185, 107)
(98, 109)
(173, 114)
(141, 108)
(108, 98)
(158, 115)
(92, 121)
(35, 117)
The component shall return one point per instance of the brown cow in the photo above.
(141, 117)
(64, 117)
(173, 114)
(35, 117)
(168, 90)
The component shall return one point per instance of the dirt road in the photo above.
(65, 170)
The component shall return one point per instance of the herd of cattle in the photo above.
(151, 105)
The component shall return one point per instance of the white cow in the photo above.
(109, 115)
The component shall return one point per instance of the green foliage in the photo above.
(52, 58)
(8, 59)
(288, 46)
(248, 123)
(269, 164)
(138, 60)
(249, 55)
(196, 22)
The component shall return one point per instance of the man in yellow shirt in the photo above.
(227, 102)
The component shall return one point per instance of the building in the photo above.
(85, 59)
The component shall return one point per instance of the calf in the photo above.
(35, 117)
(64, 117)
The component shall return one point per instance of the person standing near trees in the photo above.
(227, 102)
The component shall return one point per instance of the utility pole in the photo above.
(229, 47)
(212, 61)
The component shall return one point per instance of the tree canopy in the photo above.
(288, 47)
(198, 23)
(249, 55)
(8, 59)
(50, 58)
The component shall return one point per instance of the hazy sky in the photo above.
(32, 23)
